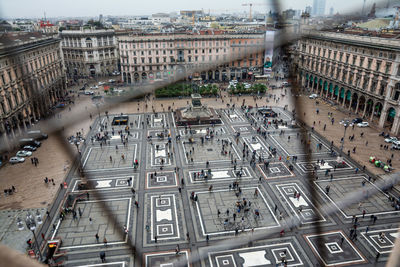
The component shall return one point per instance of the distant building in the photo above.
(5, 26)
(308, 10)
(89, 52)
(318, 8)
(160, 18)
(289, 13)
(154, 57)
(32, 80)
(358, 72)
(331, 10)
(45, 27)
(191, 13)
(136, 22)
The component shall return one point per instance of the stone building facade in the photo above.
(32, 80)
(152, 57)
(89, 52)
(360, 73)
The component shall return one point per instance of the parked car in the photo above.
(23, 153)
(14, 160)
(357, 120)
(391, 139)
(94, 87)
(363, 124)
(111, 81)
(37, 135)
(285, 84)
(313, 96)
(396, 145)
(29, 142)
(29, 148)
(101, 83)
(89, 93)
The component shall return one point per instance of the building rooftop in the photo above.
(384, 40)
(17, 38)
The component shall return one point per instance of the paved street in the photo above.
(176, 198)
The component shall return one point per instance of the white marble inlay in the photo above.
(157, 120)
(256, 146)
(254, 258)
(202, 131)
(103, 183)
(298, 203)
(114, 137)
(163, 215)
(233, 116)
(325, 166)
(220, 174)
(160, 153)
(161, 179)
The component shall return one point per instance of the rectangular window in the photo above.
(388, 67)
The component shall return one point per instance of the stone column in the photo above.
(358, 103)
(396, 124)
(372, 113)
(382, 118)
(351, 102)
(365, 108)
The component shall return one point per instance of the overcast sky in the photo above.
(78, 8)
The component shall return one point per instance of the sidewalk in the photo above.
(335, 133)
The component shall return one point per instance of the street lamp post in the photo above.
(31, 225)
(345, 124)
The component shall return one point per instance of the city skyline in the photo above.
(90, 8)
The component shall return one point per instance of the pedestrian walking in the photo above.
(155, 239)
(90, 221)
(105, 241)
(103, 256)
(97, 237)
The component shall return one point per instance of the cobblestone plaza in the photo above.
(192, 188)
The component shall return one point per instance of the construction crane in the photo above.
(250, 5)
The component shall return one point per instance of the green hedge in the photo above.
(179, 89)
(174, 90)
(209, 89)
(254, 89)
